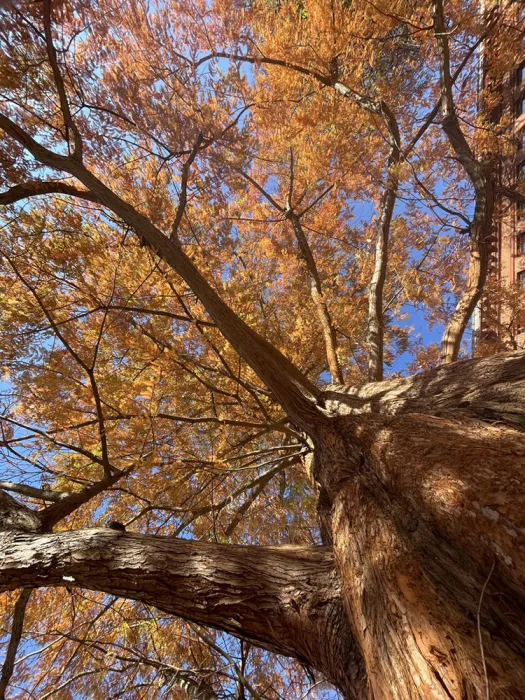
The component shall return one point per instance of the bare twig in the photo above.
(242, 678)
(16, 635)
(478, 616)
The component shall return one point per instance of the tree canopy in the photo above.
(213, 211)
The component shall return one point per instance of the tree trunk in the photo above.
(376, 321)
(428, 529)
(424, 593)
(481, 175)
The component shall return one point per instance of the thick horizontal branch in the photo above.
(487, 387)
(285, 599)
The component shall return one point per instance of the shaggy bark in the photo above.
(425, 481)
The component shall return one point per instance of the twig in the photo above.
(487, 691)
(16, 635)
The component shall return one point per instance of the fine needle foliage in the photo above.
(213, 210)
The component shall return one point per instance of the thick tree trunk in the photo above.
(424, 595)
(428, 525)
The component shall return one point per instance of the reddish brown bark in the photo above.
(428, 512)
(423, 500)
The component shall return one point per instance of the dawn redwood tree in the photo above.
(215, 217)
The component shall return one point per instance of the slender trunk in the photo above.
(457, 324)
(375, 337)
(480, 235)
(321, 308)
(482, 177)
(376, 326)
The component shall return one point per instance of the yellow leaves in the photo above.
(104, 342)
(145, 387)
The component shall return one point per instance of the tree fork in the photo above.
(424, 480)
(299, 397)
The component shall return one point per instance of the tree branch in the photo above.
(296, 394)
(38, 187)
(285, 599)
(32, 492)
(511, 194)
(16, 635)
(481, 176)
(15, 516)
(316, 290)
(51, 515)
(181, 208)
(59, 82)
